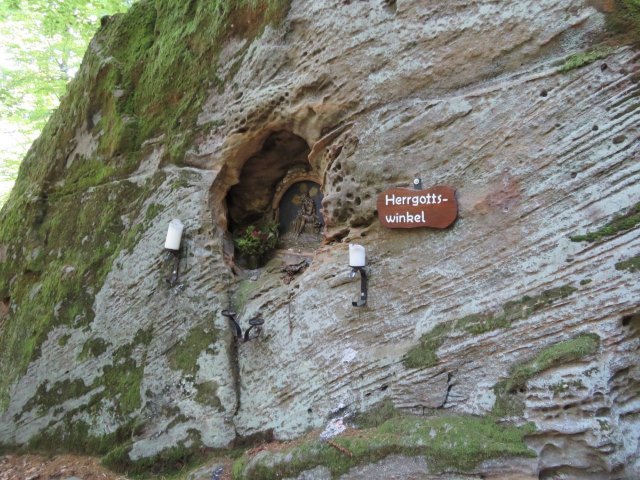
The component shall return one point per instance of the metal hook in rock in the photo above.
(256, 322)
(362, 301)
(231, 315)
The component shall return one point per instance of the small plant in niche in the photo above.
(254, 241)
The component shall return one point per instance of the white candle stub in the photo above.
(174, 235)
(356, 255)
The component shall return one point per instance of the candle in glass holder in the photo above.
(174, 235)
(356, 255)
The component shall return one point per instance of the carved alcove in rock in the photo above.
(277, 175)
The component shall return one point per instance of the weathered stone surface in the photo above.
(468, 94)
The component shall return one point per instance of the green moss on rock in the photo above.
(376, 416)
(122, 382)
(184, 355)
(48, 396)
(74, 435)
(170, 460)
(94, 347)
(207, 394)
(78, 237)
(449, 444)
(63, 222)
(514, 311)
(630, 265)
(561, 353)
(424, 354)
(582, 59)
(620, 223)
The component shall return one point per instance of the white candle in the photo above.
(174, 235)
(356, 255)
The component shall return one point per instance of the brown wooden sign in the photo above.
(434, 207)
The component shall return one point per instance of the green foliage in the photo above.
(43, 42)
(618, 224)
(585, 58)
(564, 352)
(184, 355)
(424, 354)
(450, 444)
(257, 240)
(631, 265)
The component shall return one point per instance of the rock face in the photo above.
(484, 318)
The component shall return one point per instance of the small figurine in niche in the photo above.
(306, 216)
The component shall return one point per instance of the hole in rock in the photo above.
(275, 205)
(544, 93)
(632, 320)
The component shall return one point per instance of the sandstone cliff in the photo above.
(523, 315)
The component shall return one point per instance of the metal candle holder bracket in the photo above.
(256, 322)
(362, 301)
(357, 262)
(173, 279)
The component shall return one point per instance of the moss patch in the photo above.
(618, 224)
(94, 347)
(120, 381)
(207, 394)
(76, 240)
(179, 457)
(48, 396)
(376, 416)
(630, 265)
(451, 444)
(424, 354)
(184, 355)
(184, 53)
(73, 435)
(585, 58)
(561, 353)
